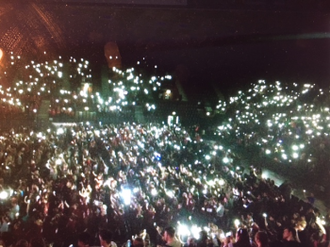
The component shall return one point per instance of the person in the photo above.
(202, 241)
(228, 242)
(22, 243)
(261, 239)
(37, 242)
(302, 232)
(191, 242)
(169, 237)
(290, 238)
(105, 237)
(242, 238)
(220, 212)
(4, 224)
(138, 242)
(84, 239)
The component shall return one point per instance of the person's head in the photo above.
(169, 233)
(84, 239)
(301, 225)
(242, 235)
(249, 215)
(138, 242)
(191, 241)
(105, 237)
(37, 242)
(22, 243)
(261, 238)
(289, 234)
(202, 236)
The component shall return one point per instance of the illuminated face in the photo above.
(286, 234)
(80, 244)
(112, 54)
(165, 236)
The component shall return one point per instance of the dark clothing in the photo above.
(304, 239)
(286, 243)
(241, 244)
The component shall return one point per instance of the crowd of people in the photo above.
(128, 183)
(67, 84)
(135, 180)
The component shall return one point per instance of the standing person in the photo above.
(290, 238)
(220, 214)
(202, 241)
(105, 237)
(191, 242)
(170, 238)
(138, 242)
(228, 242)
(84, 239)
(261, 239)
(242, 238)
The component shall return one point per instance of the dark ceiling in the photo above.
(230, 44)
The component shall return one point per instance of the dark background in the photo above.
(225, 43)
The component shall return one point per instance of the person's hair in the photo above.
(84, 237)
(37, 242)
(138, 242)
(106, 235)
(170, 231)
(302, 223)
(22, 243)
(243, 237)
(262, 237)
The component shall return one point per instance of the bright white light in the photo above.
(3, 195)
(295, 147)
(206, 228)
(221, 182)
(60, 131)
(183, 230)
(195, 230)
(237, 223)
(58, 162)
(170, 193)
(126, 195)
(211, 183)
(154, 192)
(225, 160)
